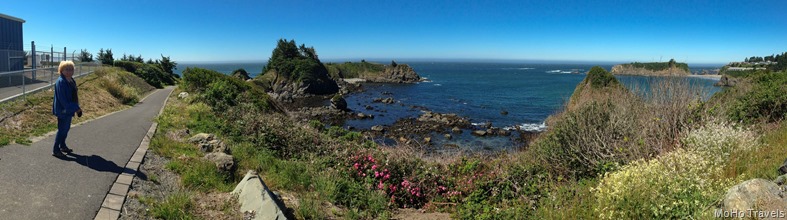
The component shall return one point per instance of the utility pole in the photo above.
(33, 58)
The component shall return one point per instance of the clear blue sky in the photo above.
(693, 31)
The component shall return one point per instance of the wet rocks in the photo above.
(338, 102)
(480, 133)
(378, 128)
(384, 100)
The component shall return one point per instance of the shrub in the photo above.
(151, 73)
(684, 183)
(599, 78)
(766, 101)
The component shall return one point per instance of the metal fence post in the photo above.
(33, 58)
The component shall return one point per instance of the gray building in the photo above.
(12, 54)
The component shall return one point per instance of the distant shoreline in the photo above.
(713, 77)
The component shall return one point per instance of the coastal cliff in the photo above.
(374, 72)
(652, 69)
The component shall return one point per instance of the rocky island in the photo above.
(670, 68)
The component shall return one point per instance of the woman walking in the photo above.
(64, 106)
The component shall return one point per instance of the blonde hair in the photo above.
(64, 64)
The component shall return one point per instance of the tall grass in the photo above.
(603, 128)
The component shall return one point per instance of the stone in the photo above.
(756, 194)
(781, 180)
(256, 200)
(367, 107)
(479, 133)
(428, 140)
(447, 136)
(378, 128)
(783, 168)
(183, 95)
(201, 138)
(456, 130)
(504, 112)
(338, 102)
(224, 162)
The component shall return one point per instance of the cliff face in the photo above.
(626, 69)
(401, 73)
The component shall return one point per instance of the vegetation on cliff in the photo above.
(374, 72)
(659, 66)
(290, 64)
(611, 153)
(154, 74)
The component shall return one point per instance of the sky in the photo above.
(233, 30)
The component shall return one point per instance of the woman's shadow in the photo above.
(100, 164)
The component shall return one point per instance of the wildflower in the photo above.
(374, 167)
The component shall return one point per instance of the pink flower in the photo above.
(386, 177)
(380, 185)
(374, 167)
(356, 165)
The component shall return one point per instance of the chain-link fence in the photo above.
(23, 72)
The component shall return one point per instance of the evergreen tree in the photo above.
(85, 56)
(106, 56)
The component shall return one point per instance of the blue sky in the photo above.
(219, 31)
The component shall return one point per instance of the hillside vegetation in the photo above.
(106, 90)
(611, 153)
(297, 69)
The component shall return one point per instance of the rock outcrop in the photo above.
(726, 81)
(401, 73)
(626, 69)
(754, 194)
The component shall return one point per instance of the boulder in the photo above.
(448, 136)
(479, 133)
(224, 162)
(201, 138)
(783, 168)
(755, 194)
(726, 81)
(256, 200)
(456, 130)
(183, 95)
(378, 128)
(338, 102)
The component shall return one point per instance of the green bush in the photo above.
(151, 73)
(600, 78)
(766, 101)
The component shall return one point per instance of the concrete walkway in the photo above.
(36, 185)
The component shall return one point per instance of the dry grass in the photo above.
(602, 128)
(24, 118)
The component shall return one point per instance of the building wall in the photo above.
(11, 45)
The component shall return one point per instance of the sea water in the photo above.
(508, 95)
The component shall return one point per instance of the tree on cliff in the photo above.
(167, 64)
(241, 74)
(300, 64)
(671, 63)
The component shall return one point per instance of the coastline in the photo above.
(711, 77)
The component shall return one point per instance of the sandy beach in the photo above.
(713, 77)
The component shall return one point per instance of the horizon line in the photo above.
(491, 60)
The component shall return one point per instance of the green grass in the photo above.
(763, 162)
(175, 206)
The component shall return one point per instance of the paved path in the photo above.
(36, 185)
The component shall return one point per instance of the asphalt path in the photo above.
(36, 185)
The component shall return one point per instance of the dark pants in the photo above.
(63, 125)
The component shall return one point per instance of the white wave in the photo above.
(534, 127)
(565, 71)
(438, 84)
(478, 123)
(526, 68)
(553, 71)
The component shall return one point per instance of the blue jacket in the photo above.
(66, 101)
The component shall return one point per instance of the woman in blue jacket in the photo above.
(65, 105)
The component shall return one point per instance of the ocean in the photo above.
(504, 94)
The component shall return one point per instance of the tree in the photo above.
(167, 65)
(105, 56)
(671, 63)
(138, 59)
(85, 56)
(393, 63)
